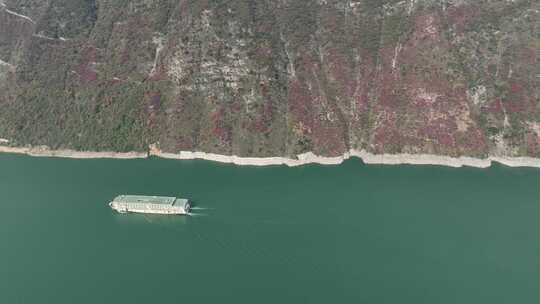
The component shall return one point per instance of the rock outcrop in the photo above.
(273, 77)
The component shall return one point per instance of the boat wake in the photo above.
(197, 214)
(200, 208)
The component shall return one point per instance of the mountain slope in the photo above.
(273, 78)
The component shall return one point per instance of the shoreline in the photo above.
(302, 159)
(43, 151)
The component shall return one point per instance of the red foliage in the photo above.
(428, 105)
(495, 107)
(153, 104)
(362, 85)
(153, 101)
(533, 145)
(518, 100)
(301, 103)
(85, 70)
(460, 16)
(475, 140)
(386, 136)
(340, 71)
(184, 143)
(317, 117)
(527, 55)
(261, 123)
(515, 106)
(328, 139)
(159, 74)
(516, 88)
(440, 131)
(220, 129)
(427, 26)
(236, 106)
(263, 52)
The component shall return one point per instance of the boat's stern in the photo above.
(187, 207)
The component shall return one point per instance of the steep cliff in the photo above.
(273, 77)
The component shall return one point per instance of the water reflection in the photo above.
(151, 219)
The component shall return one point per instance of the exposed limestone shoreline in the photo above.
(367, 158)
(43, 151)
(302, 159)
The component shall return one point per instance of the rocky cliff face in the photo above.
(273, 77)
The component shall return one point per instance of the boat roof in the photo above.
(162, 200)
(181, 202)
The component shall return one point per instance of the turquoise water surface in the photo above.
(313, 234)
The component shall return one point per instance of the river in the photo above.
(313, 234)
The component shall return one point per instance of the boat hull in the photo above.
(161, 212)
(170, 211)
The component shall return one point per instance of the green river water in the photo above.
(313, 234)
